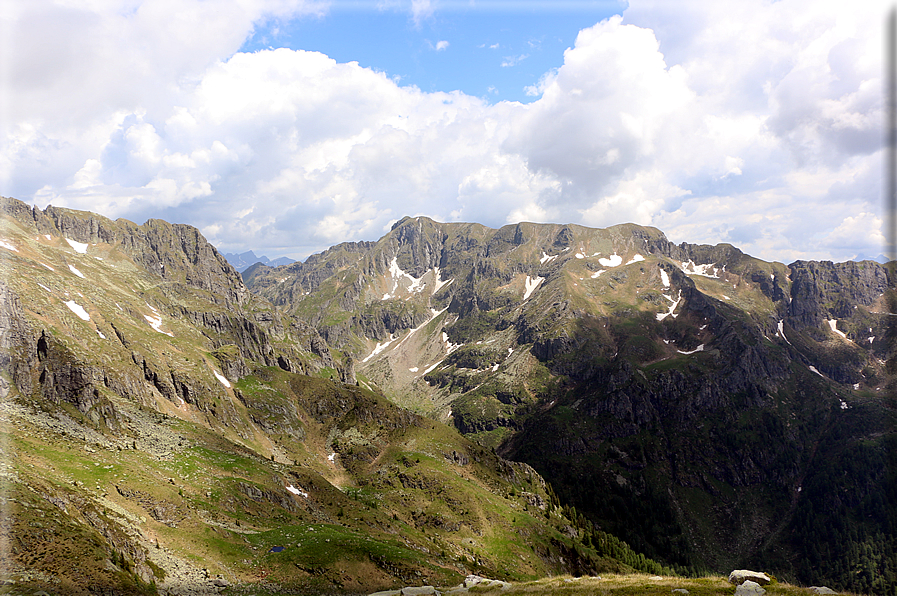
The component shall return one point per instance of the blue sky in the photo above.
(493, 51)
(287, 126)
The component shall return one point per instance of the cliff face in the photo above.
(681, 395)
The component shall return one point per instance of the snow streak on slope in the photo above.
(780, 331)
(221, 378)
(833, 323)
(662, 315)
(80, 247)
(531, 285)
(78, 310)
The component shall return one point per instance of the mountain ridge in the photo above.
(712, 409)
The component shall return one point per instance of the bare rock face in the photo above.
(739, 576)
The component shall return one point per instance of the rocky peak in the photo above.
(175, 252)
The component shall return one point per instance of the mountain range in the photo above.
(242, 261)
(439, 402)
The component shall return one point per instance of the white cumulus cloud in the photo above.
(751, 122)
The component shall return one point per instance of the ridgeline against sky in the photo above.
(286, 126)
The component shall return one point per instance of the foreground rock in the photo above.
(739, 576)
(469, 582)
(749, 588)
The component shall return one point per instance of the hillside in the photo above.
(712, 409)
(165, 430)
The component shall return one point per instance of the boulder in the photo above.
(749, 588)
(739, 576)
(679, 591)
(821, 590)
(387, 593)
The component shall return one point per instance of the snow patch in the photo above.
(47, 236)
(298, 492)
(449, 345)
(76, 272)
(439, 281)
(598, 273)
(726, 297)
(833, 323)
(871, 339)
(398, 274)
(856, 386)
(510, 351)
(664, 278)
(780, 331)
(156, 323)
(8, 245)
(579, 255)
(331, 457)
(79, 247)
(700, 348)
(614, 260)
(45, 287)
(221, 379)
(844, 405)
(662, 315)
(531, 285)
(414, 369)
(379, 348)
(78, 310)
(495, 367)
(705, 270)
(432, 367)
(547, 258)
(100, 333)
(635, 259)
(48, 267)
(813, 368)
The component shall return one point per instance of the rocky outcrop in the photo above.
(825, 290)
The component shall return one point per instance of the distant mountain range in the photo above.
(533, 400)
(244, 260)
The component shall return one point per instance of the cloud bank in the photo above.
(753, 122)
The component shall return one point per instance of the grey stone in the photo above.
(749, 588)
(821, 590)
(387, 593)
(679, 591)
(739, 576)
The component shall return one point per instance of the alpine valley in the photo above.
(532, 401)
